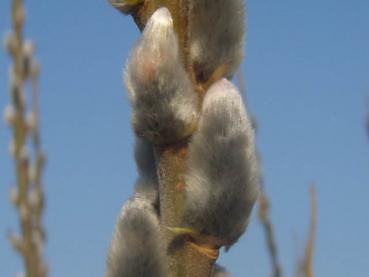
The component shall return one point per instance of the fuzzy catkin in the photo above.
(217, 36)
(223, 176)
(147, 183)
(163, 99)
(135, 249)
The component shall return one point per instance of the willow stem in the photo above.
(184, 260)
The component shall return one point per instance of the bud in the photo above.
(15, 82)
(137, 234)
(38, 241)
(28, 49)
(32, 172)
(10, 42)
(223, 173)
(16, 85)
(14, 195)
(17, 242)
(165, 105)
(157, 48)
(33, 198)
(217, 37)
(31, 121)
(9, 115)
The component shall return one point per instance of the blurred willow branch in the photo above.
(264, 217)
(27, 196)
(306, 265)
(367, 124)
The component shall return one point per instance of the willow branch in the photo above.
(184, 260)
(305, 265)
(27, 194)
(264, 217)
(367, 124)
(309, 248)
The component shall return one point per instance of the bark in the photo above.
(183, 259)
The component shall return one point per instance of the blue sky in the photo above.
(307, 79)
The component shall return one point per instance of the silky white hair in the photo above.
(223, 173)
(135, 249)
(165, 105)
(217, 36)
(147, 183)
